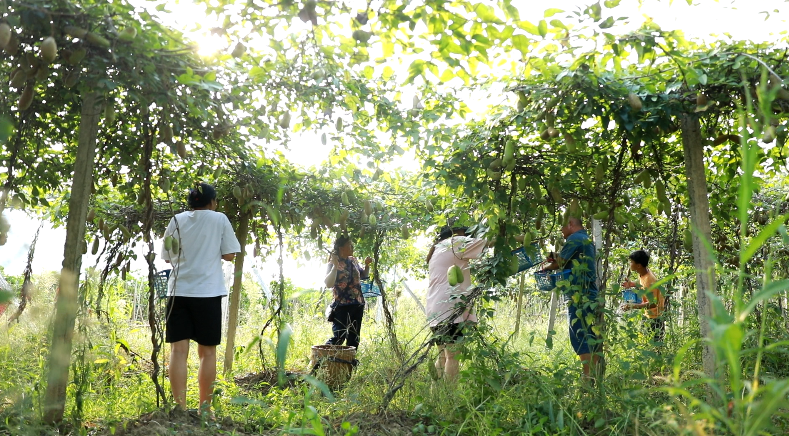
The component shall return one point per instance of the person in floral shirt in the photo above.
(344, 277)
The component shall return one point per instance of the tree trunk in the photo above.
(66, 305)
(235, 295)
(693, 146)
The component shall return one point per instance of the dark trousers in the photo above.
(346, 325)
(658, 328)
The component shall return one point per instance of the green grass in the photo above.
(508, 385)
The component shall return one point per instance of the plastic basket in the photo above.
(370, 290)
(547, 280)
(629, 296)
(160, 282)
(528, 258)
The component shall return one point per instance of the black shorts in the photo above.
(198, 319)
(449, 333)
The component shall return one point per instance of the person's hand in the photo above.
(335, 260)
(368, 260)
(626, 306)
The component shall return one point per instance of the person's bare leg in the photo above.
(179, 352)
(452, 365)
(441, 361)
(206, 375)
(589, 363)
(585, 360)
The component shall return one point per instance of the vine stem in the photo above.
(387, 314)
(156, 334)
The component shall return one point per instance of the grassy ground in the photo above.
(510, 384)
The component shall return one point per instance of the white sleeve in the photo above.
(229, 243)
(167, 254)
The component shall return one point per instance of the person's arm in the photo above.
(561, 260)
(554, 261)
(629, 284)
(331, 276)
(364, 273)
(430, 254)
(229, 245)
(645, 302)
(651, 303)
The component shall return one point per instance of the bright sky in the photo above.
(743, 19)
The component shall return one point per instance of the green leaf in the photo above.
(551, 12)
(522, 43)
(388, 72)
(607, 23)
(387, 48)
(447, 75)
(436, 25)
(559, 24)
(680, 356)
(767, 292)
(773, 396)
(529, 27)
(320, 385)
(542, 28)
(486, 13)
(416, 68)
(511, 11)
(728, 342)
(765, 233)
(6, 129)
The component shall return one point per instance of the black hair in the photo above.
(340, 242)
(444, 233)
(447, 232)
(201, 195)
(640, 257)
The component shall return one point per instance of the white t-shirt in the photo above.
(204, 236)
(441, 298)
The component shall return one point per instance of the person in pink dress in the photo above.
(445, 309)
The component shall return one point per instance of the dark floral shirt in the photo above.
(347, 286)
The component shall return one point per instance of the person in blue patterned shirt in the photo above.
(578, 255)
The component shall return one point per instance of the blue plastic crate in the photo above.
(630, 297)
(370, 290)
(528, 258)
(160, 282)
(547, 280)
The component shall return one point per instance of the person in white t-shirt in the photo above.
(445, 317)
(195, 290)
